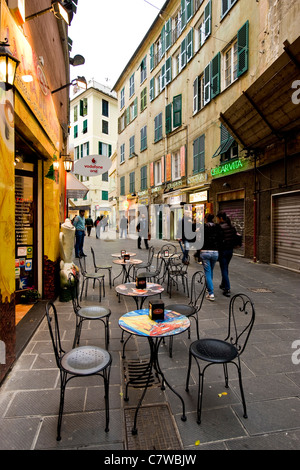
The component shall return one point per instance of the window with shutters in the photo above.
(131, 145)
(122, 186)
(132, 182)
(177, 111)
(143, 138)
(226, 6)
(152, 89)
(84, 126)
(105, 107)
(122, 98)
(169, 118)
(158, 127)
(143, 69)
(144, 178)
(131, 86)
(176, 166)
(75, 113)
(83, 107)
(230, 63)
(143, 99)
(104, 149)
(122, 153)
(157, 173)
(199, 154)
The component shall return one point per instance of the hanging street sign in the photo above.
(92, 165)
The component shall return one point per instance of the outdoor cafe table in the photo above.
(138, 323)
(139, 295)
(120, 255)
(126, 265)
(166, 260)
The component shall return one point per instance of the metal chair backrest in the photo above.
(168, 247)
(198, 288)
(73, 286)
(82, 264)
(94, 259)
(241, 320)
(53, 326)
(176, 265)
(150, 255)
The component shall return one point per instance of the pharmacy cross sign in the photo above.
(92, 165)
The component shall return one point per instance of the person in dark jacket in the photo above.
(226, 250)
(209, 253)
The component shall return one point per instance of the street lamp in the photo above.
(56, 7)
(68, 163)
(8, 66)
(79, 81)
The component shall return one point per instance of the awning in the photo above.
(265, 113)
(75, 189)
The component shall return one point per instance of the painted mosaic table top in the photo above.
(137, 322)
(130, 261)
(130, 289)
(118, 255)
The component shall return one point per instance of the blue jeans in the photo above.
(224, 260)
(209, 259)
(79, 236)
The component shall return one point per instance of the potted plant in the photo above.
(30, 296)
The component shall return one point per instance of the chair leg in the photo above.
(109, 274)
(82, 289)
(171, 346)
(106, 375)
(63, 382)
(226, 375)
(188, 372)
(242, 390)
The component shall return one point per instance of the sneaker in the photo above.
(210, 297)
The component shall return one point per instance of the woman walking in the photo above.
(210, 252)
(226, 250)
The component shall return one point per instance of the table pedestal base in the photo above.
(154, 344)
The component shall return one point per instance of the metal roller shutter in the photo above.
(235, 211)
(286, 230)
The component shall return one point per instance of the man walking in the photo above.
(89, 225)
(142, 229)
(79, 224)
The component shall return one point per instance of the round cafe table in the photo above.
(137, 322)
(139, 295)
(126, 265)
(118, 255)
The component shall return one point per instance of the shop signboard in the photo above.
(92, 165)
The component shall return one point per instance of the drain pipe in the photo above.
(255, 215)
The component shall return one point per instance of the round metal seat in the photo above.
(213, 350)
(93, 312)
(186, 310)
(85, 360)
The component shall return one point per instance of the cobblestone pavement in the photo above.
(271, 374)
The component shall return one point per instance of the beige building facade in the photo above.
(93, 119)
(178, 139)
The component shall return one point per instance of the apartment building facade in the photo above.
(93, 122)
(198, 123)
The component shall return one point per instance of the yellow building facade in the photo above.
(33, 135)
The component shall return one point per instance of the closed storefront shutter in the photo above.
(286, 230)
(235, 211)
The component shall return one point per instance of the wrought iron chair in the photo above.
(177, 269)
(191, 309)
(89, 312)
(153, 274)
(107, 267)
(146, 265)
(86, 276)
(80, 362)
(215, 351)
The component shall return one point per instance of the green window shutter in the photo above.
(169, 118)
(207, 84)
(75, 131)
(189, 9)
(243, 49)
(189, 45)
(168, 34)
(87, 148)
(163, 76)
(135, 108)
(151, 57)
(183, 14)
(177, 115)
(215, 75)
(100, 148)
(127, 116)
(183, 54)
(207, 19)
(109, 150)
(199, 154)
(163, 41)
(151, 92)
(168, 70)
(81, 108)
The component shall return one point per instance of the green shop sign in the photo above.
(227, 168)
